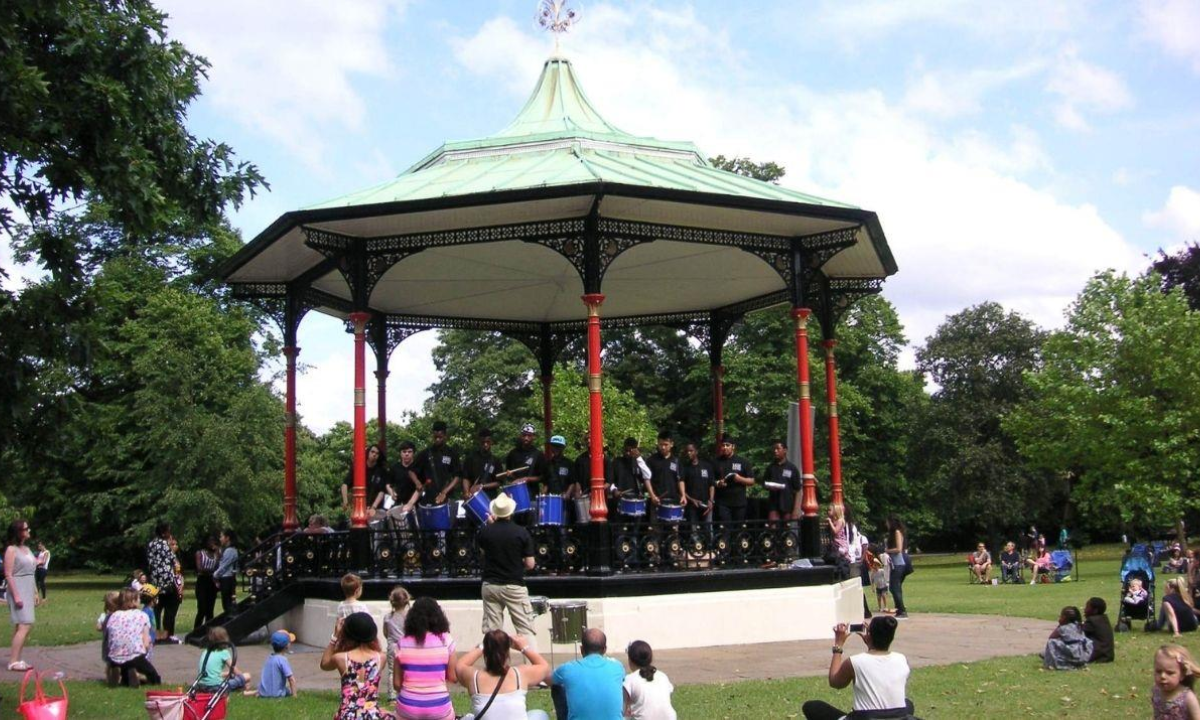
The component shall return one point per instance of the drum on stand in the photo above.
(479, 507)
(519, 492)
(670, 513)
(434, 518)
(583, 510)
(398, 518)
(550, 510)
(568, 618)
(540, 603)
(632, 506)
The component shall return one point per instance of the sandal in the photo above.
(19, 666)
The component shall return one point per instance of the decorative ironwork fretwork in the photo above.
(819, 248)
(386, 338)
(837, 296)
(530, 231)
(624, 234)
(287, 306)
(341, 249)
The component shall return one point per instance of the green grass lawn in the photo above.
(1001, 688)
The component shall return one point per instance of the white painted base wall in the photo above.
(739, 617)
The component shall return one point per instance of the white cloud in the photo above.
(951, 94)
(1174, 25)
(285, 68)
(325, 387)
(1081, 86)
(1179, 217)
(858, 21)
(963, 228)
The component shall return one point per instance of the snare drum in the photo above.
(583, 510)
(540, 604)
(398, 519)
(670, 513)
(434, 518)
(519, 492)
(632, 506)
(550, 510)
(479, 507)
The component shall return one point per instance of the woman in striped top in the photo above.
(424, 664)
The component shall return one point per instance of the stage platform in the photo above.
(682, 611)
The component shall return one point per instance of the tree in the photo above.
(1115, 407)
(1181, 270)
(165, 418)
(767, 171)
(977, 358)
(93, 111)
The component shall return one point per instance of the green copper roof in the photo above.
(558, 138)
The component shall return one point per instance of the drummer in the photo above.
(734, 475)
(376, 480)
(697, 475)
(666, 485)
(631, 475)
(438, 468)
(525, 455)
(480, 467)
(403, 485)
(583, 466)
(558, 474)
(782, 480)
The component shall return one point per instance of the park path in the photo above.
(926, 639)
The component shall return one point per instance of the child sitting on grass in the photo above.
(1097, 627)
(1174, 675)
(217, 664)
(277, 680)
(1068, 647)
(352, 591)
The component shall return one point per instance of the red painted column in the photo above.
(718, 381)
(290, 521)
(358, 494)
(599, 511)
(547, 411)
(381, 376)
(835, 443)
(808, 497)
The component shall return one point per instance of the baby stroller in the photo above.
(197, 703)
(1136, 566)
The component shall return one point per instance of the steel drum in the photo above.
(568, 618)
(670, 513)
(519, 492)
(479, 507)
(632, 506)
(583, 510)
(540, 603)
(434, 518)
(398, 519)
(550, 510)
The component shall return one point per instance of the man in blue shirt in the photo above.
(592, 684)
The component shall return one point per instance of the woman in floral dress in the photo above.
(355, 653)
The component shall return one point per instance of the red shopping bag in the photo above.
(41, 707)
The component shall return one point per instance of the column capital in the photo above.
(801, 316)
(291, 351)
(593, 301)
(829, 344)
(360, 320)
(382, 375)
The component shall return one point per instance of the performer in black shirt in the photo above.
(404, 483)
(377, 477)
(782, 480)
(583, 466)
(480, 467)
(665, 483)
(558, 475)
(699, 484)
(734, 475)
(525, 455)
(438, 468)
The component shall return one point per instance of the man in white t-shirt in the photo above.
(879, 675)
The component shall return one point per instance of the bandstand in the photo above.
(557, 226)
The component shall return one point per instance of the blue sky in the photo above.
(1011, 149)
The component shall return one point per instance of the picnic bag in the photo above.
(40, 707)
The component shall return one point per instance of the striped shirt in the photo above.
(424, 695)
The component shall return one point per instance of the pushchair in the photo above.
(197, 703)
(1062, 562)
(1136, 566)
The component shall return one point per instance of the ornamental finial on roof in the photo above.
(555, 16)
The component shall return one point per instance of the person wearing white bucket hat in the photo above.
(507, 550)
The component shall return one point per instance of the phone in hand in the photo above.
(857, 627)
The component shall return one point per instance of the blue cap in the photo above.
(558, 440)
(281, 639)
